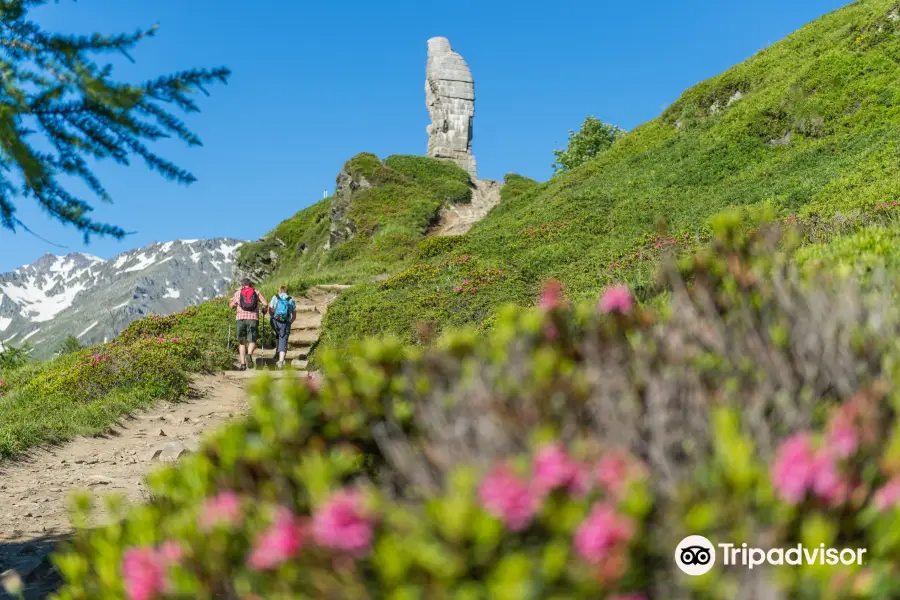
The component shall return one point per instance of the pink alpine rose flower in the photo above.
(843, 438)
(171, 552)
(827, 483)
(144, 571)
(554, 469)
(508, 498)
(616, 299)
(280, 542)
(843, 441)
(616, 470)
(552, 296)
(342, 524)
(795, 467)
(888, 496)
(222, 509)
(601, 532)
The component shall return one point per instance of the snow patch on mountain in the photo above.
(144, 261)
(91, 326)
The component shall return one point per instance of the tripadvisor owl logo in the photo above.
(695, 555)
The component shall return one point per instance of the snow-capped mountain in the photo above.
(95, 299)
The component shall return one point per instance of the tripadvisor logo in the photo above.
(696, 555)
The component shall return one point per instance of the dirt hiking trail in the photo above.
(35, 490)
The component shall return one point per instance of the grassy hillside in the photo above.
(87, 391)
(809, 126)
(390, 218)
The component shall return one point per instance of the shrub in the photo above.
(564, 455)
(516, 185)
(435, 246)
(12, 357)
(69, 345)
(594, 138)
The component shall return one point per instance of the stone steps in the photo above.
(305, 331)
(307, 321)
(267, 362)
(303, 337)
(250, 373)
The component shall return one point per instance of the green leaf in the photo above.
(555, 559)
(511, 579)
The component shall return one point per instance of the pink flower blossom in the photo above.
(616, 470)
(506, 497)
(342, 524)
(144, 570)
(171, 551)
(554, 469)
(827, 482)
(224, 509)
(794, 469)
(842, 440)
(552, 296)
(601, 532)
(799, 469)
(616, 299)
(280, 542)
(888, 496)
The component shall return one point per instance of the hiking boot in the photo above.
(243, 367)
(250, 364)
(279, 365)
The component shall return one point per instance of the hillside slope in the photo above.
(379, 212)
(809, 126)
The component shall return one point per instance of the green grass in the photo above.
(390, 218)
(88, 391)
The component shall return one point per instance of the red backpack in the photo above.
(248, 299)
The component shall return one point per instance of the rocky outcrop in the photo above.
(348, 182)
(258, 260)
(450, 98)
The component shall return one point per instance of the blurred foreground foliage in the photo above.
(564, 455)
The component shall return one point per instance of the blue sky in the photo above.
(316, 82)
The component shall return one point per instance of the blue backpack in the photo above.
(283, 308)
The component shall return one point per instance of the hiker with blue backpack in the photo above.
(283, 310)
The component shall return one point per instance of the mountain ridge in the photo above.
(94, 299)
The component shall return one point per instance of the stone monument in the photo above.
(450, 98)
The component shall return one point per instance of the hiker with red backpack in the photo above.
(248, 301)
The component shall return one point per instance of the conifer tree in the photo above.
(60, 106)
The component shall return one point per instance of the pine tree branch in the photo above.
(52, 87)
